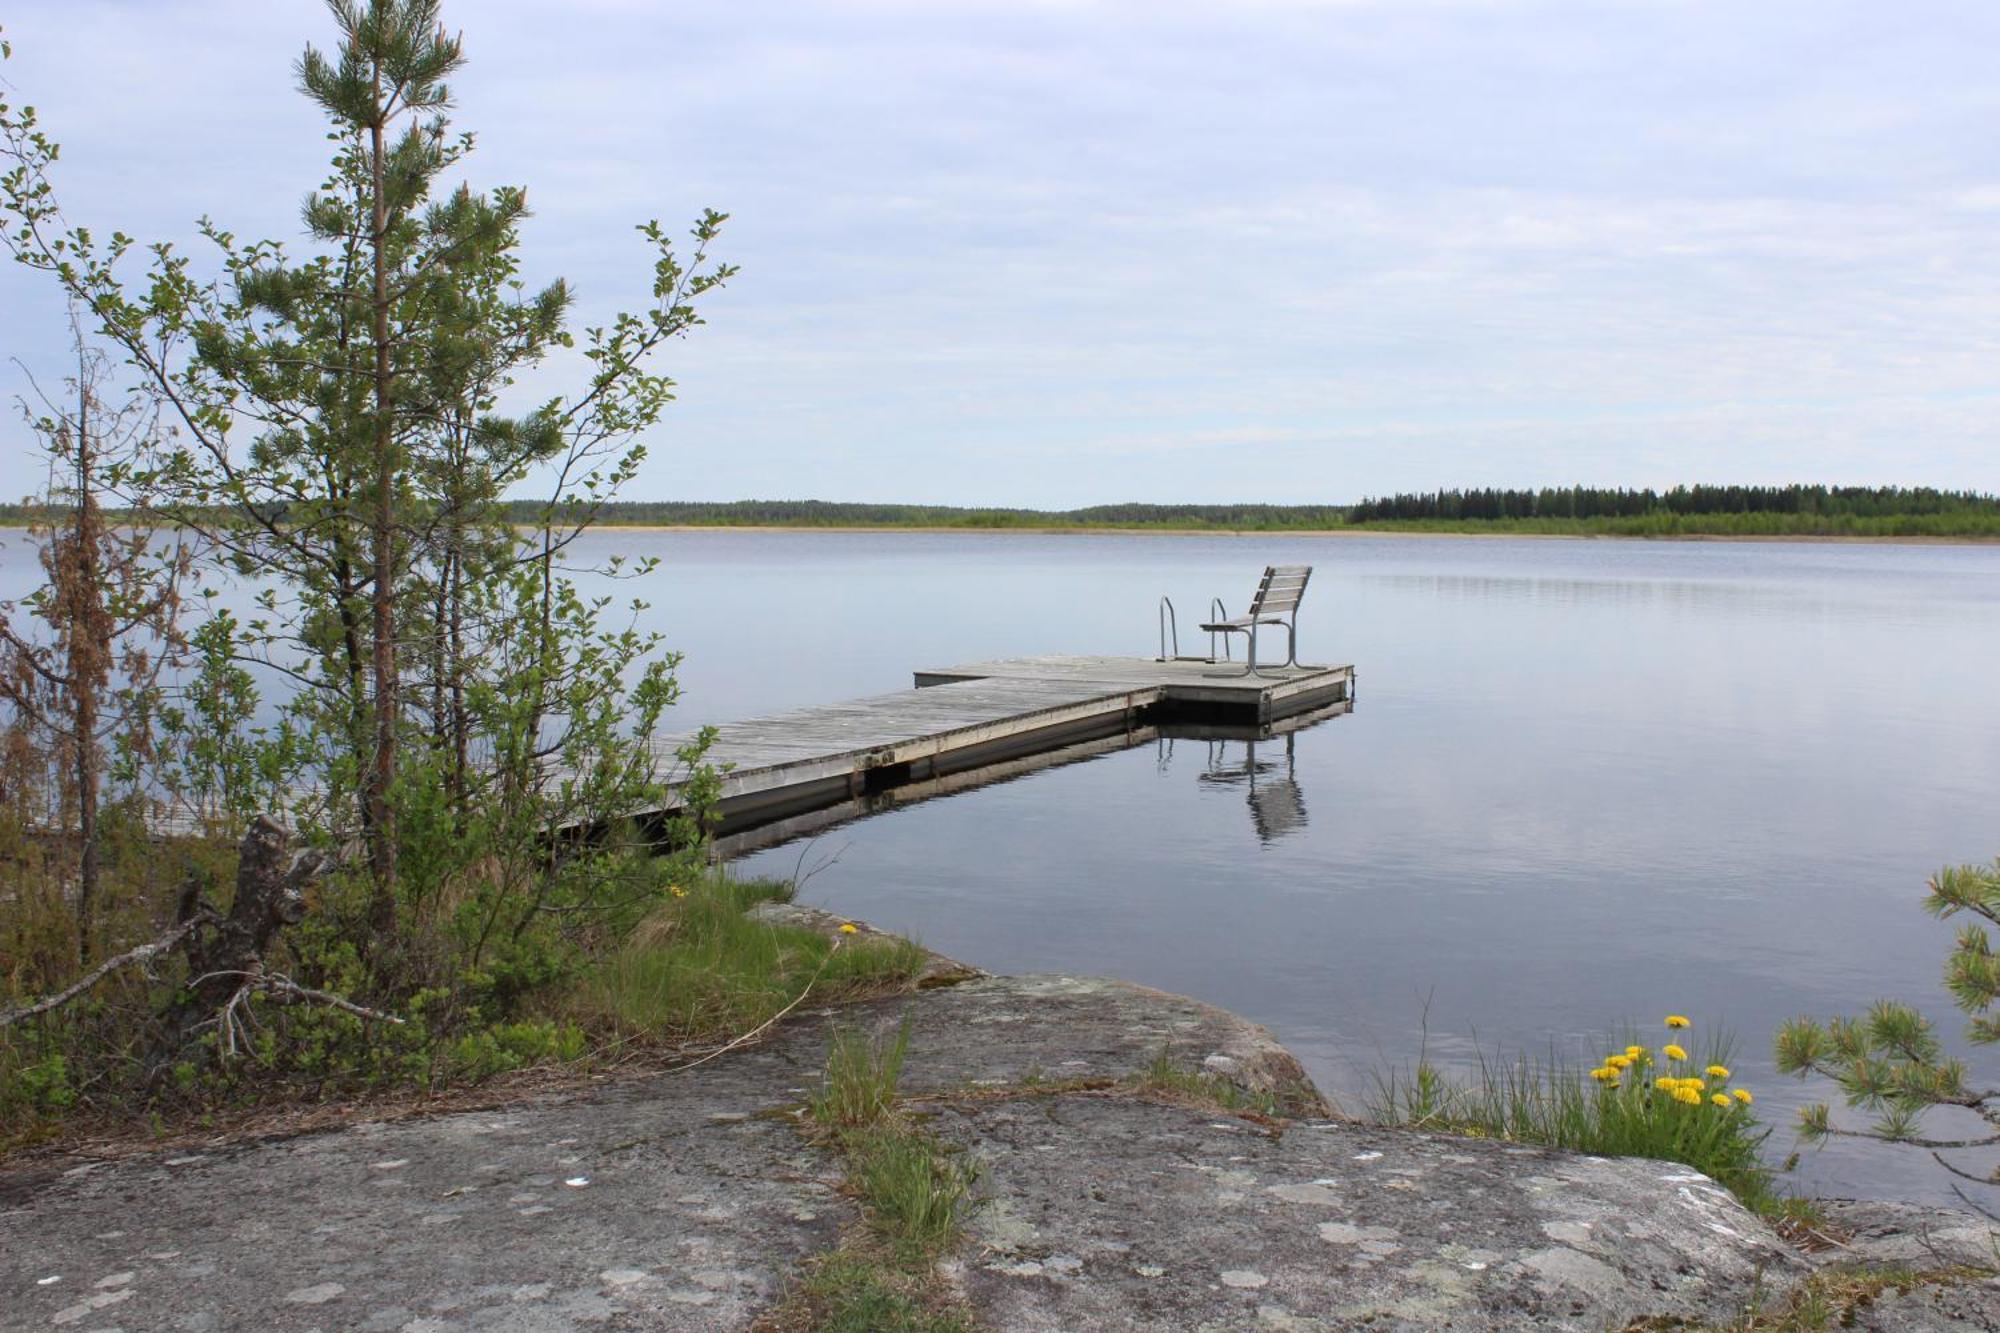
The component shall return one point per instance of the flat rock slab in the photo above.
(681, 1201)
(1003, 1031)
(659, 1205)
(1109, 1213)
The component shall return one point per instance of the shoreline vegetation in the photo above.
(1757, 513)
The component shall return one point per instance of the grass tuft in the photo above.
(859, 1085)
(915, 1188)
(699, 968)
(852, 1291)
(1169, 1080)
(1627, 1115)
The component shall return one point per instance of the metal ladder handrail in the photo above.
(1170, 626)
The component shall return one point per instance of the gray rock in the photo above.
(997, 1031)
(685, 1201)
(1909, 1235)
(1190, 1221)
(688, 1220)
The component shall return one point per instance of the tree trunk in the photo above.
(382, 775)
(269, 897)
(89, 653)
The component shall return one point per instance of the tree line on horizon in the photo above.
(1639, 511)
(1622, 502)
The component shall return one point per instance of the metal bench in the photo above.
(1276, 603)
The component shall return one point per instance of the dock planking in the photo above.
(980, 715)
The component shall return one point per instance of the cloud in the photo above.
(1170, 251)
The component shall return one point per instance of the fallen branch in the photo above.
(283, 988)
(145, 953)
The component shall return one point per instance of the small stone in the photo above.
(536, 1211)
(1150, 1270)
(48, 1281)
(1244, 1279)
(318, 1294)
(577, 1182)
(395, 1164)
(622, 1277)
(115, 1280)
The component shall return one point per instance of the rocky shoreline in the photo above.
(690, 1201)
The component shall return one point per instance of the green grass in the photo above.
(915, 1188)
(859, 1085)
(1176, 1082)
(700, 969)
(856, 1293)
(1551, 1102)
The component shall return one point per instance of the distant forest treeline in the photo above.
(1595, 502)
(1887, 511)
(1685, 511)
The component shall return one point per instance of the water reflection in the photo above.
(1270, 786)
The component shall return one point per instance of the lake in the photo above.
(1585, 784)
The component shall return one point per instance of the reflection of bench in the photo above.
(1276, 603)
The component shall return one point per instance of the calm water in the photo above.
(1586, 783)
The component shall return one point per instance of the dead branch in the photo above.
(233, 1017)
(140, 956)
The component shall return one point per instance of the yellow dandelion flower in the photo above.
(1666, 1084)
(1718, 1071)
(1673, 1052)
(1677, 1021)
(1743, 1095)
(1635, 1051)
(1722, 1099)
(1617, 1061)
(848, 928)
(677, 891)
(1688, 1095)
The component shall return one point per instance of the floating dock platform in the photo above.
(786, 774)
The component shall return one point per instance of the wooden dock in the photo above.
(983, 716)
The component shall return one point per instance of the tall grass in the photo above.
(700, 968)
(862, 1072)
(914, 1186)
(1621, 1113)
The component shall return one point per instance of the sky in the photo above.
(1056, 252)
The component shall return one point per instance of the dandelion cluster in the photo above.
(1688, 1089)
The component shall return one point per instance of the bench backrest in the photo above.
(1281, 590)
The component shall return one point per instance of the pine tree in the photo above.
(341, 428)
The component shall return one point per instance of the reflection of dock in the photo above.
(803, 769)
(1277, 804)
